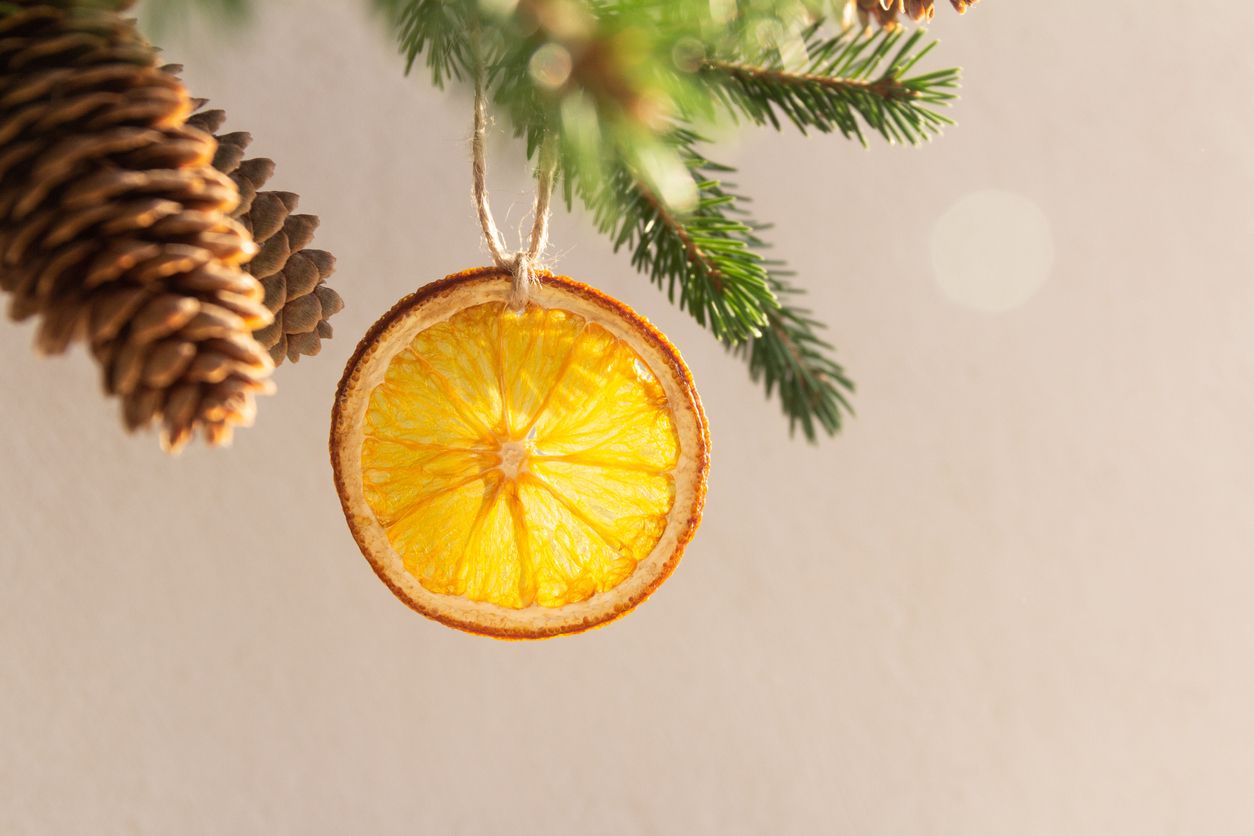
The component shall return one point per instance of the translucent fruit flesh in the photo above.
(519, 458)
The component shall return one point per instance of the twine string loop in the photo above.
(522, 264)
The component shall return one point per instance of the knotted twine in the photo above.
(521, 265)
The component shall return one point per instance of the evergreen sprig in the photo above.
(709, 262)
(702, 258)
(789, 357)
(847, 80)
(437, 30)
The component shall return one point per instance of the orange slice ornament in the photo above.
(519, 473)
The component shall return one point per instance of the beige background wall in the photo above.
(1012, 598)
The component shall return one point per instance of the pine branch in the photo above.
(789, 357)
(710, 256)
(703, 251)
(847, 81)
(437, 29)
(702, 258)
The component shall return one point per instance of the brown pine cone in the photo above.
(294, 278)
(885, 12)
(115, 227)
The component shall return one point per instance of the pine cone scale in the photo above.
(302, 315)
(167, 362)
(886, 12)
(271, 257)
(213, 322)
(208, 279)
(139, 410)
(112, 311)
(267, 214)
(301, 275)
(116, 260)
(162, 316)
(308, 344)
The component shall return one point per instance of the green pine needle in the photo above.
(436, 29)
(791, 360)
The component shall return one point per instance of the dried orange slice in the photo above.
(519, 474)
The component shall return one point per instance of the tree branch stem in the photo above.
(695, 253)
(885, 87)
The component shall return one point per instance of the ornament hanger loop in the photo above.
(521, 265)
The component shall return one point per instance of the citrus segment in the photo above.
(628, 507)
(462, 354)
(415, 406)
(535, 351)
(609, 403)
(519, 473)
(431, 552)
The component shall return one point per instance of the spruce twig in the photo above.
(848, 80)
(701, 258)
(709, 262)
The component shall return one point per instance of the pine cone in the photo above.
(885, 12)
(115, 227)
(294, 278)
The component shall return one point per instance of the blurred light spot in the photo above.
(501, 8)
(992, 250)
(565, 20)
(722, 11)
(849, 16)
(688, 53)
(792, 49)
(550, 66)
(669, 176)
(581, 127)
(768, 33)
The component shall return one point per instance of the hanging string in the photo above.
(521, 265)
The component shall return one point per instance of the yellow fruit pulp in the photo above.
(519, 458)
